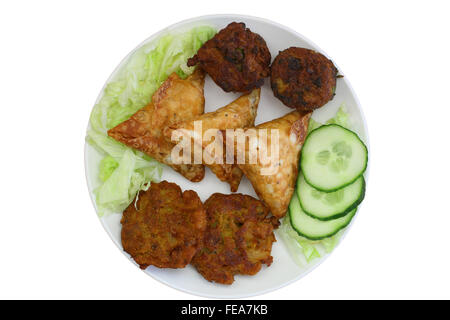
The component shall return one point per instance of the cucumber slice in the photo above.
(329, 205)
(332, 157)
(314, 229)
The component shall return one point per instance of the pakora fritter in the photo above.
(174, 101)
(238, 238)
(274, 181)
(165, 228)
(303, 79)
(236, 58)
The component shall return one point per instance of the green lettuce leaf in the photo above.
(341, 118)
(313, 124)
(302, 250)
(133, 85)
(113, 193)
(107, 167)
(124, 172)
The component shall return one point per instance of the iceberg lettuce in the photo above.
(302, 250)
(341, 118)
(123, 172)
(107, 167)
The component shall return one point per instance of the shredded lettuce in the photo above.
(302, 250)
(123, 172)
(341, 118)
(313, 124)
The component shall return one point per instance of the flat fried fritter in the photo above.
(167, 227)
(303, 79)
(235, 58)
(238, 238)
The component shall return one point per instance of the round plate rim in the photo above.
(231, 17)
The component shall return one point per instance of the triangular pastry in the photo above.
(175, 100)
(240, 113)
(274, 183)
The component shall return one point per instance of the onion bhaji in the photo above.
(238, 238)
(165, 228)
(303, 79)
(236, 59)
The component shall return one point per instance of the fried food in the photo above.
(236, 59)
(165, 228)
(238, 238)
(274, 183)
(303, 79)
(240, 113)
(175, 100)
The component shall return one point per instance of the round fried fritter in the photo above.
(167, 227)
(303, 79)
(235, 58)
(238, 238)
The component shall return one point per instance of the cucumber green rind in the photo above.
(347, 182)
(295, 209)
(335, 215)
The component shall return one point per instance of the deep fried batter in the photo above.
(238, 238)
(303, 79)
(236, 59)
(167, 227)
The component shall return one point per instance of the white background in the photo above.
(54, 59)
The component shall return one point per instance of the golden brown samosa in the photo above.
(240, 113)
(274, 183)
(175, 100)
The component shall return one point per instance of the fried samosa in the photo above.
(175, 100)
(240, 113)
(274, 181)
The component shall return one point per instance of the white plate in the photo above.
(283, 269)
